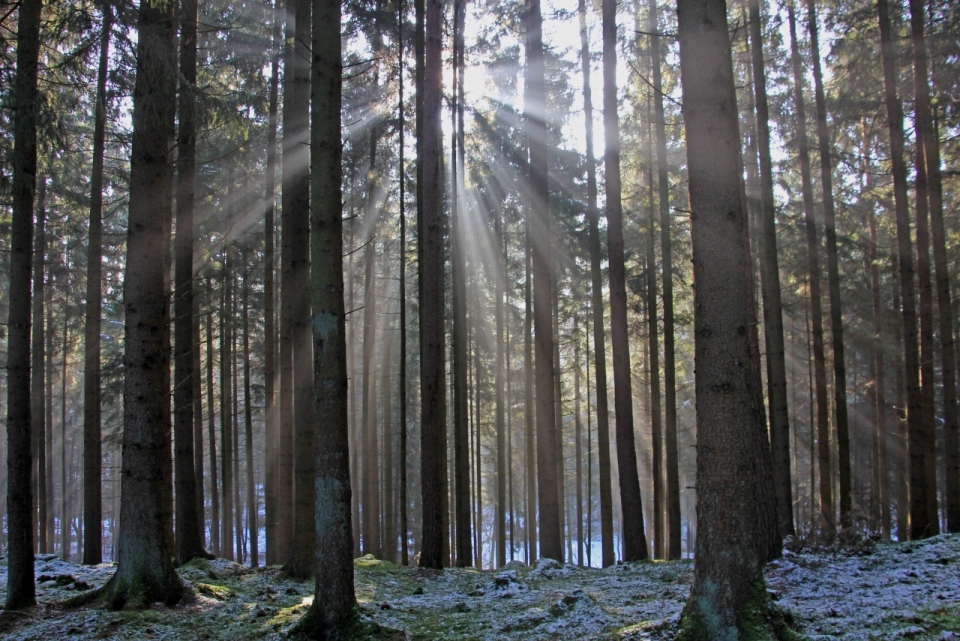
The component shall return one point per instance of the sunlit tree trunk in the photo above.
(528, 412)
(389, 512)
(252, 528)
(371, 465)
(772, 305)
(578, 438)
(212, 439)
(92, 453)
(144, 565)
(727, 573)
(828, 524)
(551, 545)
(402, 449)
(635, 541)
(226, 407)
(596, 282)
(919, 515)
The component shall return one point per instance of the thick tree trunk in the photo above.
(20, 586)
(187, 531)
(634, 539)
(596, 281)
(38, 426)
(145, 569)
(92, 453)
(727, 573)
(833, 278)
(920, 517)
(828, 523)
(772, 305)
(430, 266)
(334, 606)
(271, 445)
(538, 211)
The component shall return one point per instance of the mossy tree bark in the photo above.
(145, 572)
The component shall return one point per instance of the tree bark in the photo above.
(187, 531)
(918, 508)
(38, 426)
(634, 539)
(833, 277)
(430, 267)
(727, 573)
(596, 281)
(212, 440)
(145, 570)
(226, 407)
(653, 366)
(92, 452)
(772, 304)
(248, 418)
(371, 458)
(402, 463)
(334, 606)
(828, 523)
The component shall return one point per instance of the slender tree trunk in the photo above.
(334, 606)
(37, 401)
(461, 436)
(596, 280)
(772, 305)
(226, 407)
(727, 573)
(301, 562)
(528, 412)
(294, 159)
(271, 445)
(389, 512)
(402, 463)
(351, 328)
(92, 454)
(248, 419)
(833, 277)
(578, 437)
(198, 422)
(145, 569)
(635, 541)
(212, 440)
(371, 465)
(920, 517)
(929, 180)
(65, 547)
(235, 434)
(828, 524)
(499, 277)
(187, 531)
(589, 462)
(538, 212)
(430, 267)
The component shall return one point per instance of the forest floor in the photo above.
(871, 591)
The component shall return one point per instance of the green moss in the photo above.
(759, 620)
(199, 563)
(219, 592)
(370, 562)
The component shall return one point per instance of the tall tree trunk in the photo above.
(528, 413)
(727, 572)
(301, 562)
(271, 445)
(38, 425)
(248, 419)
(596, 282)
(828, 523)
(235, 433)
(64, 505)
(669, 358)
(402, 463)
(20, 586)
(461, 436)
(145, 569)
(928, 180)
(389, 513)
(198, 422)
(226, 407)
(92, 453)
(187, 531)
(833, 277)
(634, 539)
(919, 515)
(212, 440)
(578, 438)
(293, 162)
(772, 305)
(334, 605)
(430, 266)
(371, 464)
(538, 211)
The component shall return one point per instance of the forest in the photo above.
(479, 319)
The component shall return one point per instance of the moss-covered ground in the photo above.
(884, 591)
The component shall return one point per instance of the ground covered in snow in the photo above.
(869, 591)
